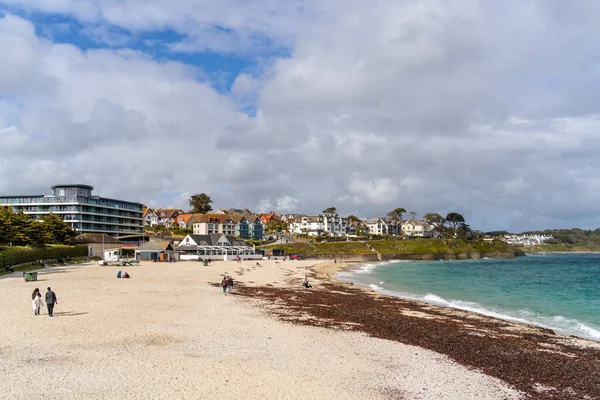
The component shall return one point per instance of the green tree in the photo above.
(353, 218)
(463, 230)
(413, 215)
(454, 220)
(396, 214)
(330, 211)
(37, 234)
(276, 226)
(6, 229)
(20, 223)
(434, 217)
(158, 228)
(59, 232)
(200, 203)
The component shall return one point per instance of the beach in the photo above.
(170, 332)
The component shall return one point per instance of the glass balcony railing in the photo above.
(58, 199)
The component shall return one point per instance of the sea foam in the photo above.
(559, 324)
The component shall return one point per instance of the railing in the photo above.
(74, 200)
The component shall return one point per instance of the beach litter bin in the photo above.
(205, 262)
(30, 276)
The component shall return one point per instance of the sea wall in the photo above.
(450, 256)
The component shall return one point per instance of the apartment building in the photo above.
(86, 213)
(316, 225)
(242, 226)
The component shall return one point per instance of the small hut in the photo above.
(98, 243)
(156, 251)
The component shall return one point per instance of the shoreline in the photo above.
(564, 252)
(329, 272)
(502, 349)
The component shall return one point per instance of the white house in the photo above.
(315, 225)
(150, 218)
(382, 226)
(375, 225)
(526, 239)
(417, 228)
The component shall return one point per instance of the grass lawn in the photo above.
(396, 246)
(322, 248)
(432, 246)
(36, 266)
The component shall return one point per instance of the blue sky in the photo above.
(220, 68)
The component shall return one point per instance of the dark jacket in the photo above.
(50, 297)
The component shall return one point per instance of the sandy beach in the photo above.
(170, 332)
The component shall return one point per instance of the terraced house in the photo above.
(85, 212)
(243, 226)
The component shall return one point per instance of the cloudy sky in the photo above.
(488, 108)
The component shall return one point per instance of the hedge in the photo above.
(19, 255)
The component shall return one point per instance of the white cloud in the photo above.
(488, 109)
(286, 203)
(376, 191)
(264, 206)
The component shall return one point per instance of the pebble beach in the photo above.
(170, 332)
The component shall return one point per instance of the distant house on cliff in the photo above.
(418, 228)
(150, 217)
(166, 217)
(270, 217)
(382, 226)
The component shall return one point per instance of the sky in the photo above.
(482, 107)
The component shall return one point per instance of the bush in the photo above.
(19, 255)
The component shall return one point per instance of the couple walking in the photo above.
(37, 303)
(227, 282)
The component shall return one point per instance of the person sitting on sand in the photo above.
(119, 274)
(126, 275)
(305, 283)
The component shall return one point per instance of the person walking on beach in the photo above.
(50, 301)
(36, 301)
(230, 283)
(224, 284)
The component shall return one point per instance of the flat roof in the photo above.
(74, 185)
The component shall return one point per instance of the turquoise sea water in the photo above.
(556, 291)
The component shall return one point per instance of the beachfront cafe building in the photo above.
(84, 212)
(194, 247)
(156, 251)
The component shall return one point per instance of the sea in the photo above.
(556, 291)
